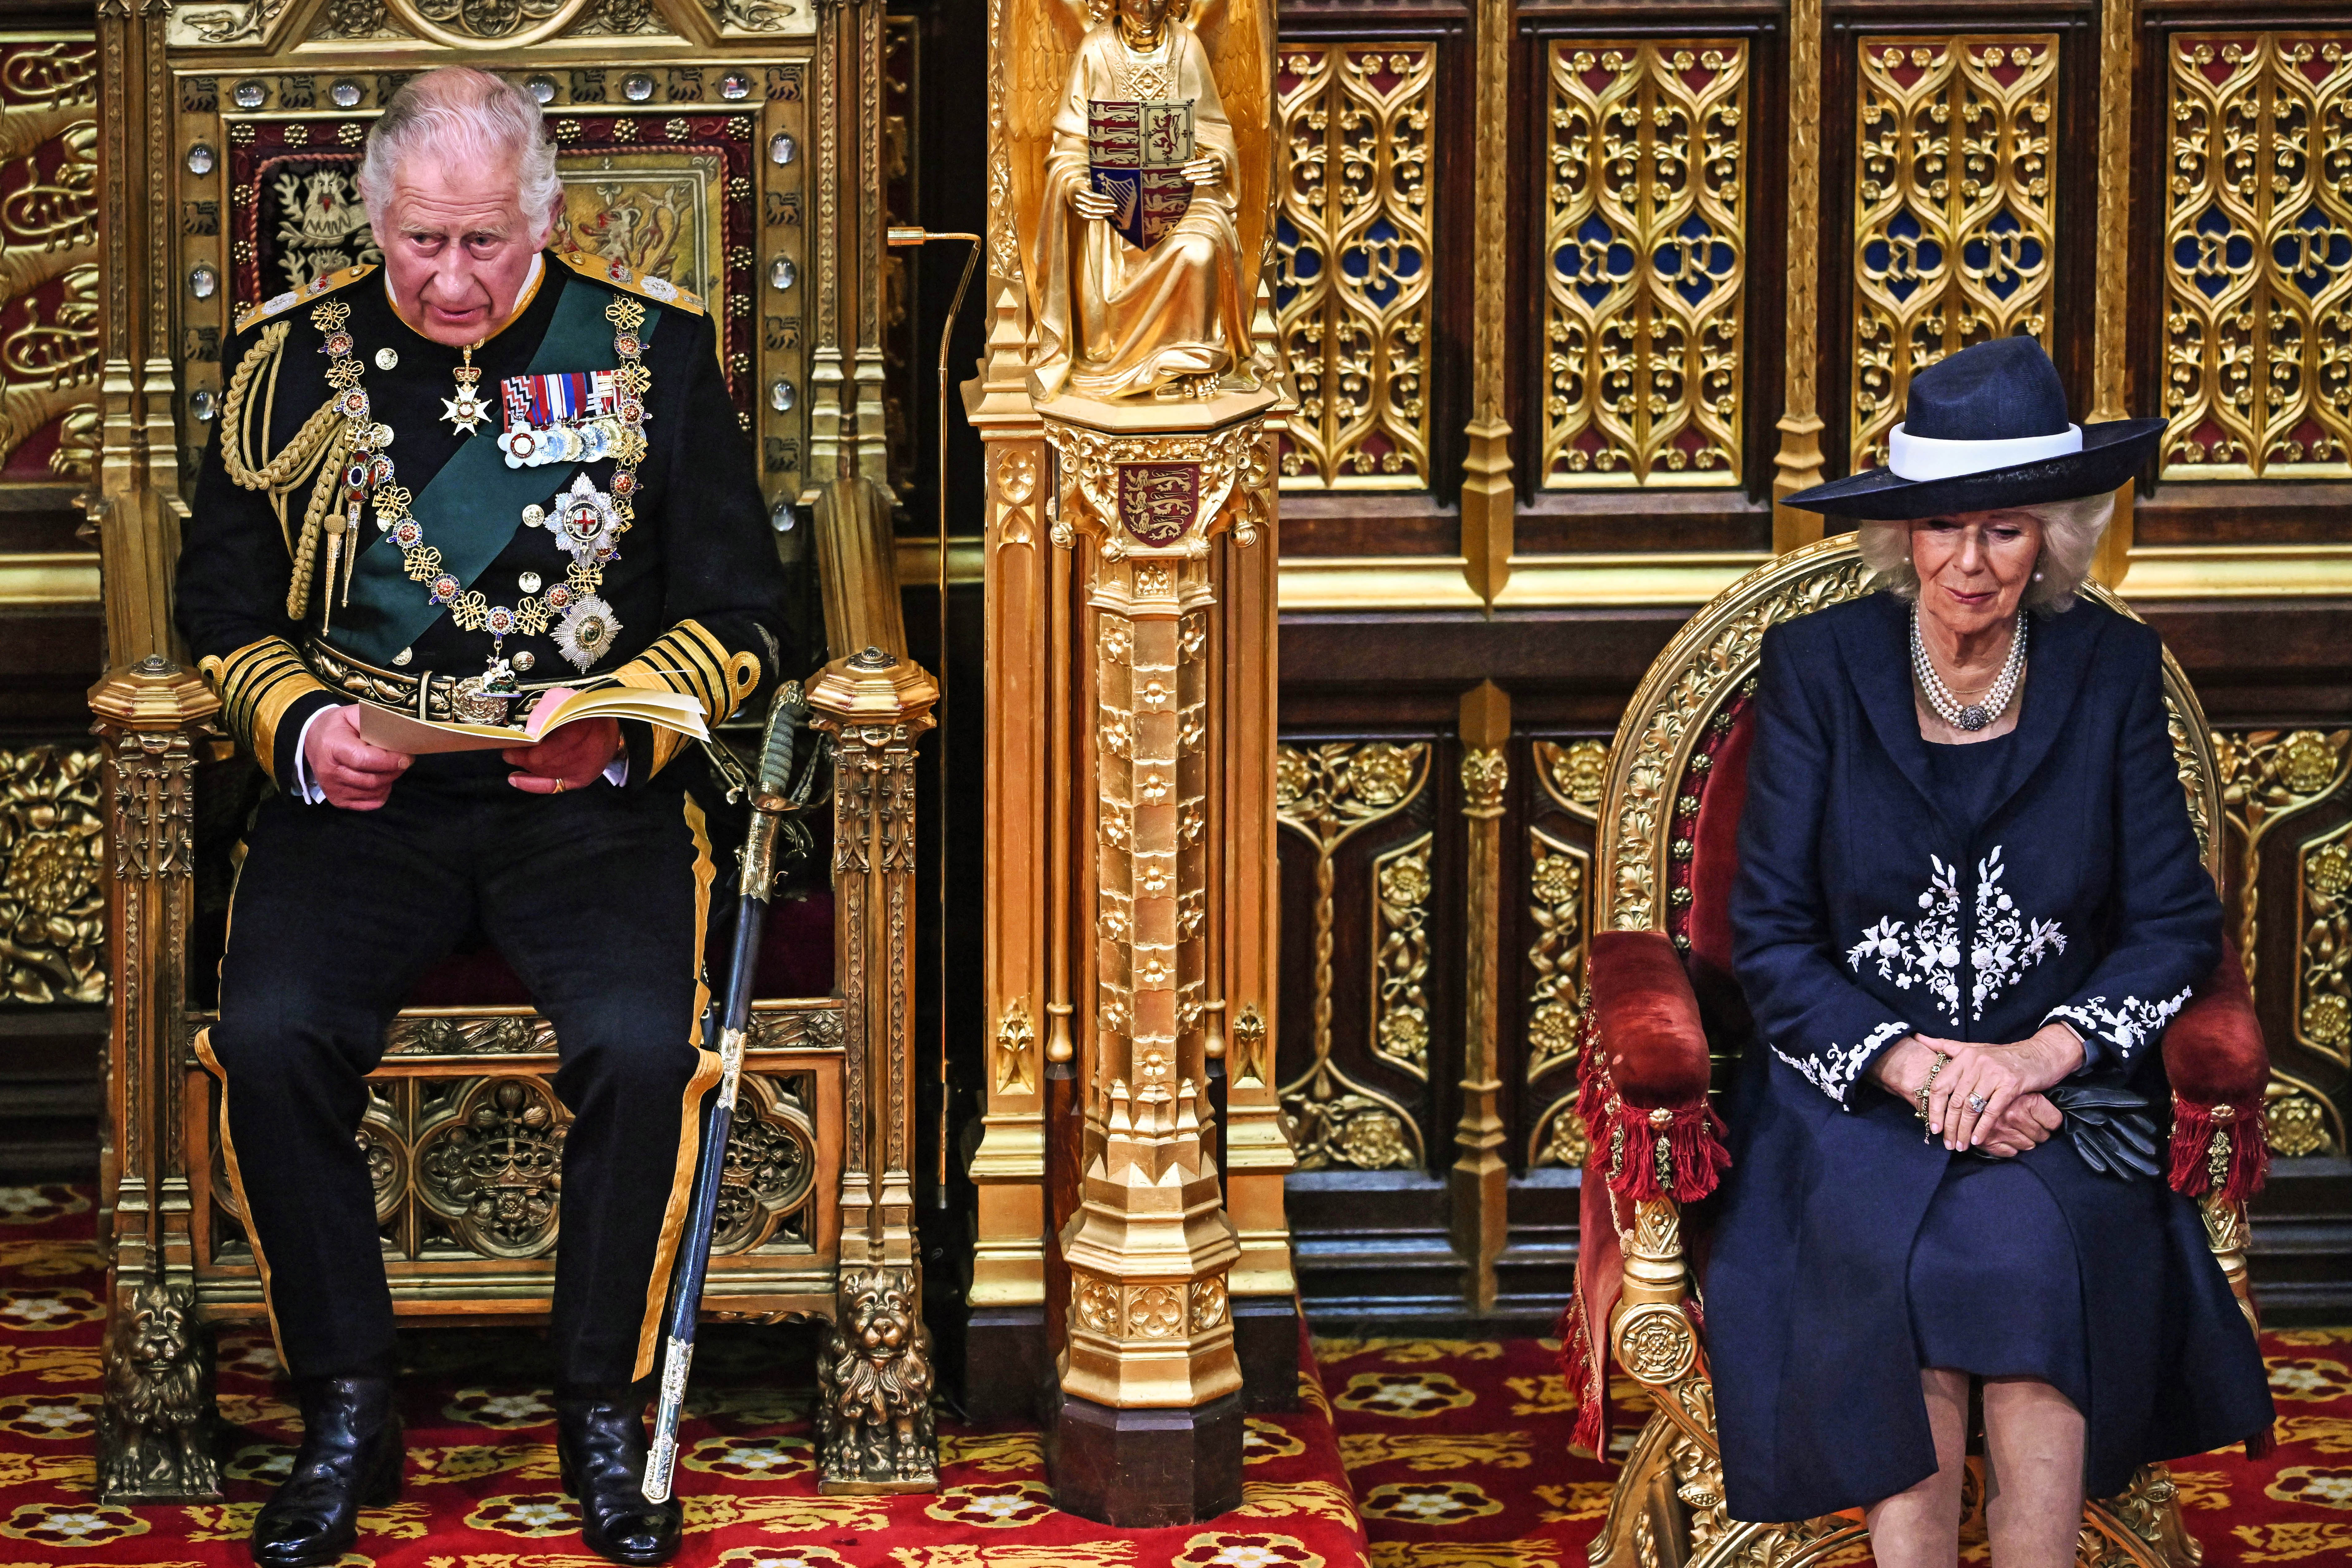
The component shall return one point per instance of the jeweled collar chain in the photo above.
(1975, 716)
(588, 624)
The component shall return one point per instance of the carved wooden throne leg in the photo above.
(158, 1430)
(2142, 1528)
(873, 1387)
(875, 1373)
(158, 1433)
(1668, 1510)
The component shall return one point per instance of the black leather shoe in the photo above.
(600, 1445)
(349, 1459)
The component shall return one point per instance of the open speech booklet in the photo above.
(397, 731)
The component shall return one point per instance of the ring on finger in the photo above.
(1977, 1102)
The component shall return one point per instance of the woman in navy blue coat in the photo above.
(1968, 889)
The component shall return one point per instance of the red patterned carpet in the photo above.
(1456, 1450)
(481, 1481)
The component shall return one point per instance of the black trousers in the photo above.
(600, 900)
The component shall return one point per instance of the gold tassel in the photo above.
(335, 526)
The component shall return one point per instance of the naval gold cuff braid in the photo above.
(1929, 1087)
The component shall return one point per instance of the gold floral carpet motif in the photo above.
(1406, 1453)
(481, 1488)
(1458, 1451)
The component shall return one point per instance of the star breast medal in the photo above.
(466, 410)
(585, 524)
(584, 521)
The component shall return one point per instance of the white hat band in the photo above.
(1919, 458)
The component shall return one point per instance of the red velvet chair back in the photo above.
(1701, 925)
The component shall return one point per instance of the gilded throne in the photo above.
(1660, 1031)
(694, 141)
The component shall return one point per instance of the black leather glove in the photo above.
(2112, 1128)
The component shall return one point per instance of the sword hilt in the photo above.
(785, 716)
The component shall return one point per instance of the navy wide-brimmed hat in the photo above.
(1986, 428)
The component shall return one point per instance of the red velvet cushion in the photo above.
(2213, 1053)
(1647, 1020)
(795, 960)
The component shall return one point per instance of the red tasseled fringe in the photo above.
(2260, 1445)
(2245, 1165)
(1584, 1375)
(1692, 1138)
(1626, 1138)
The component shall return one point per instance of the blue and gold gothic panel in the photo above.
(1645, 242)
(2258, 248)
(1954, 199)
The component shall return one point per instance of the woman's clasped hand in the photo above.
(1986, 1099)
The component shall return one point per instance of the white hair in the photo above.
(465, 116)
(2070, 538)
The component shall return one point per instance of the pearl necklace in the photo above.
(1976, 715)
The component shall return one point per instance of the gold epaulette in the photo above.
(293, 296)
(619, 275)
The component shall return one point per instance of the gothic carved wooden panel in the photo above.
(467, 1165)
(2287, 823)
(1954, 209)
(48, 259)
(52, 858)
(1561, 812)
(1645, 242)
(2258, 255)
(1354, 262)
(1362, 1036)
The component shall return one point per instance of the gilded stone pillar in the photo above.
(1143, 491)
(1257, 1145)
(1798, 465)
(1025, 936)
(1489, 497)
(875, 1375)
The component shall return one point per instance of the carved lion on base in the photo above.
(158, 1433)
(874, 1405)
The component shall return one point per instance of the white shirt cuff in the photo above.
(305, 786)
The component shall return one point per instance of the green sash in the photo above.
(474, 505)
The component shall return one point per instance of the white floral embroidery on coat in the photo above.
(2127, 1025)
(1835, 1069)
(1926, 952)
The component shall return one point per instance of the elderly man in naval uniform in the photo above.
(480, 473)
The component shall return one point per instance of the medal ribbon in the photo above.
(474, 505)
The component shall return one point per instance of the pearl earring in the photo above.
(2037, 576)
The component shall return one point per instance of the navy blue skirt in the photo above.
(1995, 1289)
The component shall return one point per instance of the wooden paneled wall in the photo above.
(52, 982)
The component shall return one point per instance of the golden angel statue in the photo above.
(1141, 167)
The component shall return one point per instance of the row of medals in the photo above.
(585, 523)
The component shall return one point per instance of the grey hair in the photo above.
(2070, 539)
(465, 115)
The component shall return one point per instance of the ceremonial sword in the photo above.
(774, 798)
